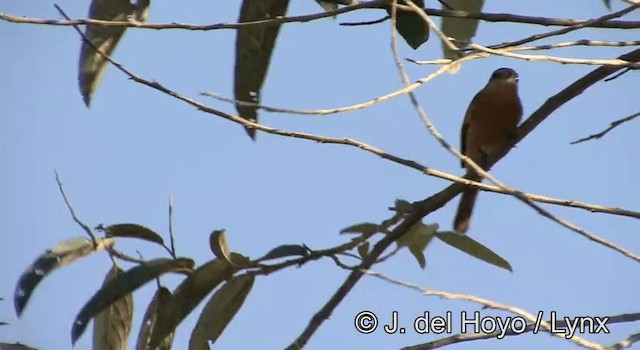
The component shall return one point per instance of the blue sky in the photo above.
(121, 159)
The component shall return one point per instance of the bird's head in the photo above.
(504, 75)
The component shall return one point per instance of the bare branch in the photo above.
(564, 60)
(489, 304)
(464, 337)
(84, 226)
(577, 25)
(625, 343)
(612, 126)
(374, 4)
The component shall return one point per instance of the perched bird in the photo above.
(490, 122)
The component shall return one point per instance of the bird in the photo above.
(491, 121)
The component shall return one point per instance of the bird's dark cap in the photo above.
(504, 74)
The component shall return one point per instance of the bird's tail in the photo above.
(465, 208)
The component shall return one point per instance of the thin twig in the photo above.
(612, 126)
(577, 25)
(84, 226)
(625, 343)
(465, 337)
(490, 304)
(563, 60)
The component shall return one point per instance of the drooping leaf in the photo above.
(473, 248)
(62, 254)
(15, 346)
(365, 228)
(123, 284)
(254, 48)
(133, 231)
(219, 311)
(158, 302)
(191, 292)
(461, 29)
(218, 245)
(112, 325)
(92, 64)
(363, 250)
(417, 239)
(607, 4)
(411, 26)
(286, 250)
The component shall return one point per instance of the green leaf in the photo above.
(92, 63)
(158, 302)
(411, 26)
(286, 250)
(219, 246)
(254, 48)
(366, 228)
(112, 326)
(191, 292)
(62, 254)
(133, 231)
(462, 30)
(123, 284)
(219, 311)
(473, 248)
(417, 239)
(363, 250)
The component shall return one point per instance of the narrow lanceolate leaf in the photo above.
(62, 254)
(417, 239)
(218, 245)
(473, 248)
(92, 64)
(365, 228)
(286, 250)
(411, 26)
(133, 231)
(159, 302)
(462, 30)
(112, 326)
(219, 311)
(123, 284)
(191, 292)
(607, 4)
(254, 47)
